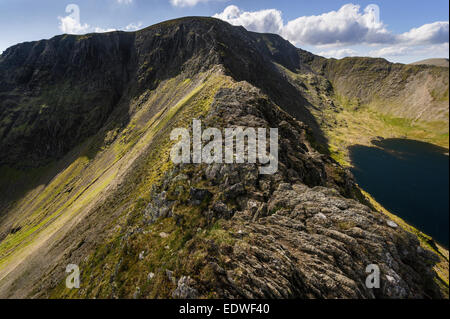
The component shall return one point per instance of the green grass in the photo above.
(359, 125)
(439, 96)
(184, 251)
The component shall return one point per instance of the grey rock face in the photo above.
(302, 235)
(184, 289)
(221, 210)
(159, 207)
(200, 195)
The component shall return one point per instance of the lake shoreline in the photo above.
(407, 177)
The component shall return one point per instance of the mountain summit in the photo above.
(86, 176)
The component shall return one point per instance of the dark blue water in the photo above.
(410, 179)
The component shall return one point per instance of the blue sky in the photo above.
(401, 31)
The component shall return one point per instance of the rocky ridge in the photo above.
(144, 228)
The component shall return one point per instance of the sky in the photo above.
(399, 31)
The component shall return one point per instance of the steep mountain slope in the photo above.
(415, 92)
(86, 176)
(435, 62)
(359, 99)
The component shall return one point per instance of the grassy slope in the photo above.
(356, 124)
(362, 99)
(346, 121)
(359, 125)
(164, 244)
(437, 62)
(48, 211)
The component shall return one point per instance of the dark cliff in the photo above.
(90, 116)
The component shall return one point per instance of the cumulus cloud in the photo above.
(187, 3)
(130, 27)
(390, 51)
(347, 26)
(338, 30)
(124, 1)
(133, 26)
(259, 21)
(436, 50)
(70, 25)
(338, 53)
(103, 30)
(432, 33)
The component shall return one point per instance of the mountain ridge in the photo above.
(110, 200)
(436, 62)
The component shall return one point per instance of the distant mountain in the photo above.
(86, 177)
(435, 62)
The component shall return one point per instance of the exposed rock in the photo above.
(315, 260)
(199, 196)
(392, 224)
(158, 208)
(234, 191)
(304, 232)
(221, 210)
(137, 293)
(142, 255)
(170, 276)
(184, 289)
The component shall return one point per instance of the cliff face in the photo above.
(417, 92)
(56, 93)
(87, 179)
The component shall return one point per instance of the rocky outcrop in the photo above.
(186, 231)
(317, 244)
(294, 234)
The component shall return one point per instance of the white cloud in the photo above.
(348, 26)
(71, 25)
(259, 21)
(432, 33)
(133, 26)
(187, 3)
(130, 27)
(103, 30)
(124, 1)
(436, 50)
(390, 51)
(338, 53)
